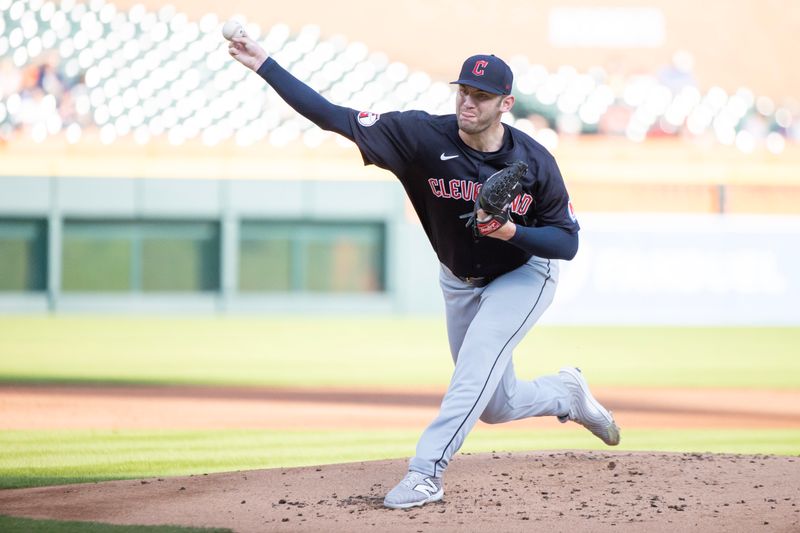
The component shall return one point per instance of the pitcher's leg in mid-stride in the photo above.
(492, 320)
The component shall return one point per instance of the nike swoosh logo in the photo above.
(446, 157)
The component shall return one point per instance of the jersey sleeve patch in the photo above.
(368, 118)
(571, 211)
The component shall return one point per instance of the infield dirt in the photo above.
(540, 491)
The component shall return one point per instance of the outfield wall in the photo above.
(632, 268)
(682, 269)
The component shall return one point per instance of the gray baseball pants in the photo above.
(484, 324)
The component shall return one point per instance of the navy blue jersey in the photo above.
(440, 174)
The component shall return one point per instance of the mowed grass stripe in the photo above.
(10, 524)
(37, 458)
(374, 352)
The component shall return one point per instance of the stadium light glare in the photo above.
(557, 83)
(745, 142)
(17, 10)
(657, 100)
(34, 47)
(49, 39)
(29, 26)
(108, 134)
(525, 126)
(169, 117)
(209, 22)
(547, 137)
(589, 114)
(122, 126)
(397, 72)
(725, 135)
(546, 95)
(635, 132)
(308, 37)
(716, 97)
(96, 5)
(419, 81)
(526, 84)
(507, 118)
(15, 38)
(136, 13)
(5, 5)
(80, 40)
(156, 126)
(379, 59)
(635, 92)
(130, 97)
(159, 32)
(82, 104)
(67, 5)
(210, 137)
(72, 69)
(85, 58)
(150, 107)
(108, 13)
(97, 97)
(765, 105)
(3, 112)
(674, 116)
(73, 133)
(136, 116)
(176, 136)
(166, 12)
(47, 11)
(737, 106)
(39, 132)
(277, 35)
(148, 22)
(783, 117)
(77, 12)
(92, 77)
(13, 104)
(775, 142)
(115, 106)
(178, 23)
(20, 57)
(111, 87)
(141, 135)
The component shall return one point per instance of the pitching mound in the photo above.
(564, 491)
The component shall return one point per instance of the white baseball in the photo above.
(232, 29)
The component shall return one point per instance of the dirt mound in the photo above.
(563, 491)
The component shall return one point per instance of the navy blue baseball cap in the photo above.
(488, 73)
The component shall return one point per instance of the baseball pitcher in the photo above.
(495, 209)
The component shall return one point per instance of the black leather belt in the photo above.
(480, 281)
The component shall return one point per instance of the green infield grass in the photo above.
(375, 352)
(37, 458)
(10, 524)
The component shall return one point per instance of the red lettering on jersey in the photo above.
(479, 67)
(525, 204)
(455, 190)
(521, 204)
(477, 191)
(445, 191)
(434, 183)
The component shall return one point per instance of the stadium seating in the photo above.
(70, 67)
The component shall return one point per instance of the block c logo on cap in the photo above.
(479, 67)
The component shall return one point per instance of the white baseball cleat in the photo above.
(416, 489)
(586, 410)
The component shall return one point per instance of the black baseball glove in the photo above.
(495, 199)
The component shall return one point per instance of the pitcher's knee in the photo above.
(493, 417)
